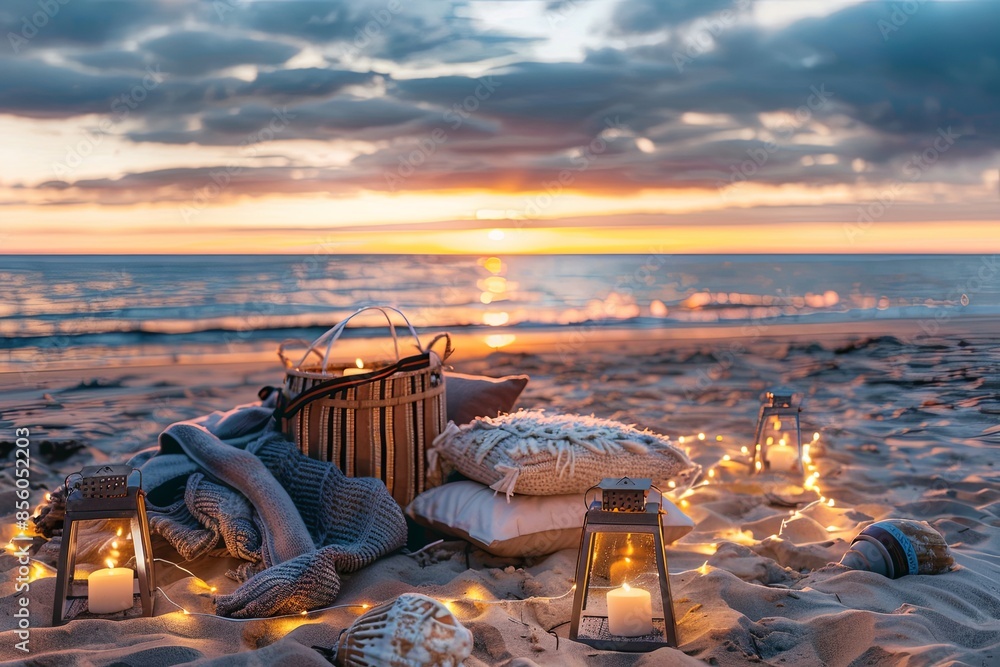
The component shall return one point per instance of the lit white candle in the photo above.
(110, 590)
(782, 458)
(357, 371)
(630, 612)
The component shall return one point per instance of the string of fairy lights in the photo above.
(682, 494)
(42, 569)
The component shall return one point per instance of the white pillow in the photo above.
(524, 526)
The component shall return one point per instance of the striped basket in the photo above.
(377, 424)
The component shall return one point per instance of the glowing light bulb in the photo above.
(744, 450)
(681, 439)
(727, 457)
(830, 502)
(701, 436)
(815, 437)
(672, 484)
(711, 472)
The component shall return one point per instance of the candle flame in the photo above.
(359, 363)
(114, 544)
(626, 587)
(119, 531)
(815, 437)
(110, 563)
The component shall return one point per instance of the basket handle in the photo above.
(288, 362)
(332, 335)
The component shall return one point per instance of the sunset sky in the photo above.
(520, 126)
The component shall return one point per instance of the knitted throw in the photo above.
(232, 478)
(543, 455)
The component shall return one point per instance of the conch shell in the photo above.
(412, 631)
(898, 547)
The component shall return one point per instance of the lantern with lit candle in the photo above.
(622, 600)
(105, 558)
(778, 440)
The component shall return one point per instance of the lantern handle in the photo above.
(585, 493)
(66, 479)
(138, 470)
(653, 486)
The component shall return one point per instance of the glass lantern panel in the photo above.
(780, 443)
(101, 543)
(623, 588)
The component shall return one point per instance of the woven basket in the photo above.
(376, 424)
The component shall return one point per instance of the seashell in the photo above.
(898, 547)
(412, 631)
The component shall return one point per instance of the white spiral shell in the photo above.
(412, 631)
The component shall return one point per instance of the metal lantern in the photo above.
(778, 440)
(105, 556)
(622, 600)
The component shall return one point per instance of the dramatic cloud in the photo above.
(661, 95)
(199, 52)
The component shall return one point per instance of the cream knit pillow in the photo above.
(545, 455)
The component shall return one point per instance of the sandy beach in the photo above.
(908, 427)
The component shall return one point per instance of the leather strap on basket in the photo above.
(286, 409)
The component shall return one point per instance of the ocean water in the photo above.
(87, 311)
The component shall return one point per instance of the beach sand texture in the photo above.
(908, 429)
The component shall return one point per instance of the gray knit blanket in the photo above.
(230, 484)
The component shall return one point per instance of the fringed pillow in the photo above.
(545, 455)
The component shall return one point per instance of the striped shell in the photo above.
(412, 631)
